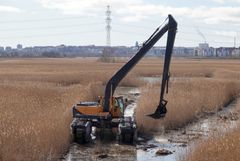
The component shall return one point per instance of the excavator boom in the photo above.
(171, 28)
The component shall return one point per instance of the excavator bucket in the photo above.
(158, 114)
(160, 111)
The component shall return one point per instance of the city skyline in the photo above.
(82, 22)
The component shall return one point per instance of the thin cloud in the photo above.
(226, 33)
(85, 7)
(225, 1)
(219, 1)
(4, 8)
(137, 10)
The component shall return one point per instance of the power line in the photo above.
(134, 26)
(44, 19)
(84, 24)
(129, 32)
(115, 31)
(51, 27)
(184, 32)
(194, 26)
(211, 28)
(177, 39)
(108, 18)
(53, 35)
(179, 32)
(196, 40)
(207, 35)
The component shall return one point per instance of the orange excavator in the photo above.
(108, 111)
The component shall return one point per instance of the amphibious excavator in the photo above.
(108, 110)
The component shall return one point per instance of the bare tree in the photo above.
(107, 55)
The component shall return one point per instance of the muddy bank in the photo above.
(181, 141)
(100, 151)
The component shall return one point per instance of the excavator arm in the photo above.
(171, 28)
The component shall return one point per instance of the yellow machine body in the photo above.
(116, 110)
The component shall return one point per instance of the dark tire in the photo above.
(122, 137)
(88, 131)
(74, 138)
(101, 134)
(82, 135)
(131, 138)
(126, 138)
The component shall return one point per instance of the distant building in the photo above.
(236, 52)
(8, 48)
(19, 47)
(183, 51)
(1, 49)
(137, 44)
(225, 51)
(204, 50)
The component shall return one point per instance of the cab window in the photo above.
(121, 105)
(116, 103)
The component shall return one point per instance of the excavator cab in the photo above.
(118, 107)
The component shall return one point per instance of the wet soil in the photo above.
(174, 143)
(182, 141)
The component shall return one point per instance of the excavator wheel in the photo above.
(82, 131)
(106, 134)
(126, 138)
(127, 130)
(88, 131)
(78, 135)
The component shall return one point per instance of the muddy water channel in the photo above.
(179, 142)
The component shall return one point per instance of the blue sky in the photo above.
(82, 22)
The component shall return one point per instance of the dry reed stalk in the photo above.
(219, 146)
(186, 100)
(35, 120)
(37, 94)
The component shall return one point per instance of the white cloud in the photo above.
(217, 15)
(135, 10)
(85, 7)
(226, 33)
(225, 1)
(219, 1)
(4, 8)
